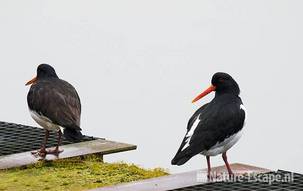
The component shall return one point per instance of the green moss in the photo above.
(73, 174)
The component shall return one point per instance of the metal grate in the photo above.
(280, 180)
(16, 138)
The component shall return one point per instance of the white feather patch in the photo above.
(191, 132)
(243, 108)
(43, 121)
(223, 146)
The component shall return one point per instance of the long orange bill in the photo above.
(207, 91)
(32, 81)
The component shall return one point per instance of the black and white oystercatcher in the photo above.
(54, 104)
(216, 126)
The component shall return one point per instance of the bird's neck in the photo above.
(48, 78)
(227, 94)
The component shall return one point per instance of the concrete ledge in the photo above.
(180, 180)
(100, 146)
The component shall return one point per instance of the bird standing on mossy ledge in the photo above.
(54, 104)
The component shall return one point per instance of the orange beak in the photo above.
(207, 91)
(32, 81)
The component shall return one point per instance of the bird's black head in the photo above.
(44, 71)
(224, 83)
(221, 83)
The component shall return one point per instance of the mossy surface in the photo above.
(73, 174)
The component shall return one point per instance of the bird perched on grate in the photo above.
(216, 126)
(54, 104)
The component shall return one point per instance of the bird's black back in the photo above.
(57, 100)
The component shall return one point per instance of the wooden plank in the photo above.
(100, 146)
(180, 180)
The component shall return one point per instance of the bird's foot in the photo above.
(212, 176)
(231, 175)
(40, 153)
(55, 151)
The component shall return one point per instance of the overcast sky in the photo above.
(137, 65)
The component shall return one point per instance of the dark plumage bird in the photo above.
(216, 126)
(54, 104)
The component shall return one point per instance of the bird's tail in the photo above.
(181, 158)
(72, 134)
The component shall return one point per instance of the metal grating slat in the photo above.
(259, 182)
(16, 138)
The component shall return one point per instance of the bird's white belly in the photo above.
(223, 146)
(43, 121)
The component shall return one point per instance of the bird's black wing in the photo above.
(57, 100)
(189, 126)
(216, 123)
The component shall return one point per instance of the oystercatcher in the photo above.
(216, 126)
(54, 104)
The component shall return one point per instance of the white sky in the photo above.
(138, 64)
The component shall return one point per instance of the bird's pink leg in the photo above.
(224, 156)
(56, 151)
(42, 152)
(208, 168)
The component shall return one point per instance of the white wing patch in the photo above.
(191, 132)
